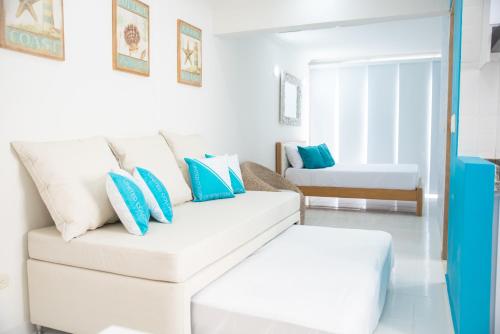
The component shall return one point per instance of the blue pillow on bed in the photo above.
(315, 157)
(327, 156)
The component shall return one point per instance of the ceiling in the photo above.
(387, 38)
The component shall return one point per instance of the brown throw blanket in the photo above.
(259, 178)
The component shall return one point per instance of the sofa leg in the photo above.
(38, 329)
(420, 202)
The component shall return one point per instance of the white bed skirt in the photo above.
(307, 280)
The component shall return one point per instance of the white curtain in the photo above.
(377, 112)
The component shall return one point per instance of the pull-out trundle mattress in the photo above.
(307, 280)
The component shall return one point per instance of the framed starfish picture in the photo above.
(33, 26)
(131, 37)
(189, 60)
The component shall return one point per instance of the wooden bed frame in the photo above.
(415, 195)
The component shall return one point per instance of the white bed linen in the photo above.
(384, 176)
(307, 280)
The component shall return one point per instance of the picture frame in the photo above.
(189, 54)
(33, 27)
(131, 37)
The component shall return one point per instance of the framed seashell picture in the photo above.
(131, 36)
(189, 60)
(33, 26)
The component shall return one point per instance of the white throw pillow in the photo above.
(153, 153)
(71, 176)
(185, 146)
(293, 156)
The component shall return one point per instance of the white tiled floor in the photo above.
(417, 301)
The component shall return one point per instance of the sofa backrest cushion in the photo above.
(153, 154)
(185, 146)
(71, 178)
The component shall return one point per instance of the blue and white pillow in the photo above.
(210, 178)
(156, 194)
(128, 201)
(234, 173)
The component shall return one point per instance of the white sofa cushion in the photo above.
(71, 178)
(185, 146)
(202, 234)
(153, 153)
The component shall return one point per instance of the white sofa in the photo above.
(107, 277)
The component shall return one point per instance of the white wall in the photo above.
(253, 92)
(479, 112)
(42, 99)
(233, 16)
(479, 126)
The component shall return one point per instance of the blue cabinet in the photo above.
(470, 245)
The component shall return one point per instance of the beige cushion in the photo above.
(70, 176)
(185, 146)
(153, 153)
(201, 234)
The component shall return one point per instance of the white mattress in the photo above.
(307, 280)
(384, 176)
(200, 234)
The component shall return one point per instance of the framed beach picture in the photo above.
(189, 60)
(131, 36)
(33, 26)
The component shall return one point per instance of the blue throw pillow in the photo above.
(315, 157)
(327, 156)
(234, 173)
(312, 157)
(210, 178)
(128, 201)
(156, 195)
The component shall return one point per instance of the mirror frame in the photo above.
(291, 79)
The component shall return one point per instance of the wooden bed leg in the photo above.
(420, 202)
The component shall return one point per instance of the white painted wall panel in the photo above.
(323, 97)
(414, 104)
(438, 132)
(353, 113)
(382, 113)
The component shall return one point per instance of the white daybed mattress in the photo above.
(382, 176)
(307, 280)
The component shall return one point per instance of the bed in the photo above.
(399, 182)
(308, 280)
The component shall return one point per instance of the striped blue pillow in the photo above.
(128, 201)
(156, 194)
(210, 178)
(234, 173)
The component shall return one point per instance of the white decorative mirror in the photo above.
(290, 100)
